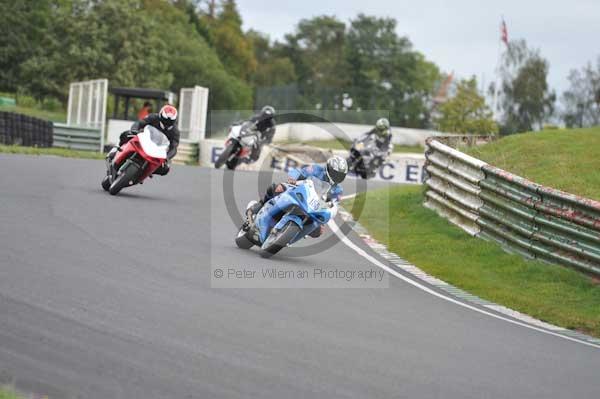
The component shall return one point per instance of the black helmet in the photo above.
(167, 117)
(336, 169)
(267, 112)
(382, 126)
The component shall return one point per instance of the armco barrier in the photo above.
(77, 138)
(524, 217)
(452, 181)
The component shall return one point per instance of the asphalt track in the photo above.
(110, 297)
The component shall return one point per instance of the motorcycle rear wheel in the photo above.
(280, 240)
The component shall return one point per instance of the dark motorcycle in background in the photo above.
(239, 146)
(136, 160)
(364, 159)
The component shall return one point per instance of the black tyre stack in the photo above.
(18, 129)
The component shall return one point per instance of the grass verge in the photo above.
(564, 159)
(345, 145)
(61, 152)
(551, 293)
(54, 116)
(6, 393)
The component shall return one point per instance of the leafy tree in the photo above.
(386, 73)
(193, 62)
(191, 9)
(88, 40)
(234, 49)
(466, 112)
(318, 44)
(24, 25)
(581, 101)
(526, 99)
(272, 68)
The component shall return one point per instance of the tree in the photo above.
(386, 73)
(526, 99)
(234, 49)
(318, 44)
(193, 62)
(581, 101)
(466, 112)
(87, 40)
(272, 68)
(22, 30)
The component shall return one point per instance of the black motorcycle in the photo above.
(364, 158)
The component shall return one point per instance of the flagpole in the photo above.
(503, 38)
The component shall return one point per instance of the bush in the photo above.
(52, 104)
(26, 101)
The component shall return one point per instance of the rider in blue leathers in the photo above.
(320, 172)
(334, 172)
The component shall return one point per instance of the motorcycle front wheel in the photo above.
(106, 183)
(242, 240)
(226, 154)
(125, 177)
(279, 239)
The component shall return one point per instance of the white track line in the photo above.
(335, 229)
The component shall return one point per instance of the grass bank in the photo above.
(60, 152)
(568, 160)
(345, 145)
(6, 393)
(54, 116)
(551, 293)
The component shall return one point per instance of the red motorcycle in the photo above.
(136, 160)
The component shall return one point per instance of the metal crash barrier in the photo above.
(524, 217)
(76, 138)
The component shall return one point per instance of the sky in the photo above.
(460, 36)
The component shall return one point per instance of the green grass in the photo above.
(345, 145)
(568, 160)
(6, 393)
(61, 152)
(54, 116)
(552, 293)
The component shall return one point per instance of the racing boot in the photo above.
(251, 210)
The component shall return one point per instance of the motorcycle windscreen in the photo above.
(154, 142)
(317, 196)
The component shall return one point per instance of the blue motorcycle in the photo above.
(288, 217)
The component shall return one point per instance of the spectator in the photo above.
(145, 111)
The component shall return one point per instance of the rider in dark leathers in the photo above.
(263, 123)
(383, 137)
(165, 121)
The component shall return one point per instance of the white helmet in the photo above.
(167, 117)
(382, 126)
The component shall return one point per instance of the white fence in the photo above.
(193, 103)
(87, 106)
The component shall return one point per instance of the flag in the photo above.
(504, 32)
